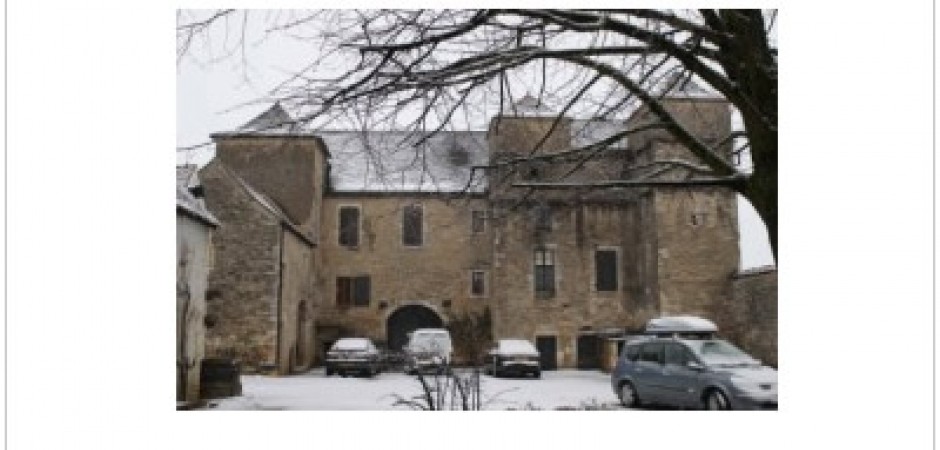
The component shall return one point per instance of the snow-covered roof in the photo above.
(529, 106)
(680, 324)
(389, 161)
(586, 132)
(275, 121)
(185, 200)
(681, 85)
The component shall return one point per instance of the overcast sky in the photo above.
(222, 94)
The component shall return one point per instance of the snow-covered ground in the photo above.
(315, 391)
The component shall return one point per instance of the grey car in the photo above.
(705, 373)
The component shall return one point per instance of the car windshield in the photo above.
(516, 346)
(351, 344)
(721, 353)
(430, 342)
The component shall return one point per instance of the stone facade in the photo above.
(261, 301)
(565, 269)
(751, 319)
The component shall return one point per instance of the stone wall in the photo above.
(435, 274)
(286, 169)
(297, 299)
(242, 297)
(751, 319)
(577, 307)
(193, 263)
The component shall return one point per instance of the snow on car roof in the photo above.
(351, 344)
(680, 324)
(516, 346)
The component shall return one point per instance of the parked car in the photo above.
(353, 355)
(428, 349)
(692, 372)
(512, 357)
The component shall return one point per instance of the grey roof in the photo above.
(186, 178)
(273, 121)
(683, 86)
(529, 106)
(390, 161)
(586, 132)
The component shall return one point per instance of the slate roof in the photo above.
(394, 161)
(185, 201)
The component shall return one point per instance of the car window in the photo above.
(677, 354)
(652, 352)
(631, 352)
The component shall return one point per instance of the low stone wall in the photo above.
(751, 319)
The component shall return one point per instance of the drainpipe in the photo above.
(280, 296)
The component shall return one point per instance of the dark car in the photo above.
(691, 369)
(512, 357)
(353, 355)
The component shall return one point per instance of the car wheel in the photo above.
(628, 395)
(537, 374)
(716, 401)
(329, 371)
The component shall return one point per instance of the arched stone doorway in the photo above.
(407, 319)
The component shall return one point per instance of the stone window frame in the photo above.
(545, 295)
(619, 272)
(339, 209)
(401, 223)
(486, 280)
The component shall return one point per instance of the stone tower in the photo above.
(687, 240)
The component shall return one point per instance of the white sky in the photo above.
(91, 115)
(218, 96)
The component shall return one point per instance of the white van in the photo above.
(428, 348)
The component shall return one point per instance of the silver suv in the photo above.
(689, 370)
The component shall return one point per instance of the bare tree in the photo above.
(428, 70)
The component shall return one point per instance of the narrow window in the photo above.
(543, 218)
(361, 291)
(605, 270)
(478, 222)
(544, 273)
(477, 283)
(353, 291)
(413, 226)
(349, 226)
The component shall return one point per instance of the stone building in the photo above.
(392, 231)
(194, 228)
(263, 188)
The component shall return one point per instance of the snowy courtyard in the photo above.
(562, 389)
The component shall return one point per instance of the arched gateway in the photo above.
(407, 319)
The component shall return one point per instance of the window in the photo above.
(353, 291)
(652, 353)
(632, 352)
(478, 221)
(697, 219)
(605, 270)
(477, 283)
(677, 354)
(413, 226)
(349, 226)
(543, 218)
(544, 273)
